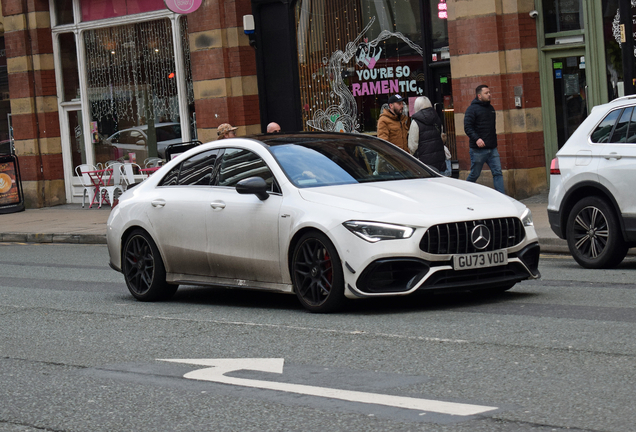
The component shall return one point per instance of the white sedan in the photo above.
(325, 216)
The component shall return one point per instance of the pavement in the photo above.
(70, 223)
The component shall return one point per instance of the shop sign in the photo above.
(183, 6)
(10, 192)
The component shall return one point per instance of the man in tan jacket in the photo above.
(393, 126)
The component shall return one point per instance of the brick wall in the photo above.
(223, 69)
(32, 90)
(495, 43)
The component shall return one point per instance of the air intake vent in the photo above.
(454, 238)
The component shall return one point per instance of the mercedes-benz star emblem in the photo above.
(480, 237)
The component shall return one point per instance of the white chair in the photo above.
(152, 162)
(89, 187)
(128, 173)
(111, 190)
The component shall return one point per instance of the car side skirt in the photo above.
(186, 279)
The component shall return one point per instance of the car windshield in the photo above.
(320, 161)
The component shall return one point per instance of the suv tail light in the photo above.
(554, 167)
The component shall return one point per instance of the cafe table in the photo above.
(99, 178)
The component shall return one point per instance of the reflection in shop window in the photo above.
(68, 62)
(352, 56)
(562, 15)
(132, 91)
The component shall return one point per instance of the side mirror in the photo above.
(253, 185)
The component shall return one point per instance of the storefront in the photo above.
(354, 54)
(124, 82)
(581, 63)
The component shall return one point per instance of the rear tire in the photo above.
(594, 234)
(317, 273)
(143, 269)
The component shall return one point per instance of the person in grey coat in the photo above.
(425, 135)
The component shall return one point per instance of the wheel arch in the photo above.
(583, 190)
(126, 234)
(292, 246)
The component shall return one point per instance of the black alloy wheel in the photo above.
(594, 235)
(143, 269)
(317, 273)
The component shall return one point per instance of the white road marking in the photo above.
(219, 367)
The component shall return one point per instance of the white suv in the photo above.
(592, 201)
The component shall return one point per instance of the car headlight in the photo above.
(526, 218)
(375, 231)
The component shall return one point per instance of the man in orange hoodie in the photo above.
(393, 126)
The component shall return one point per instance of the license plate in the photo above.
(480, 259)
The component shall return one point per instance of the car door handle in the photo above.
(613, 155)
(217, 205)
(158, 203)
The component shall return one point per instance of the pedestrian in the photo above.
(425, 135)
(226, 130)
(393, 125)
(480, 127)
(273, 127)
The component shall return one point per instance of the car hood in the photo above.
(437, 197)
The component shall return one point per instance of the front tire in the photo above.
(594, 234)
(317, 273)
(143, 269)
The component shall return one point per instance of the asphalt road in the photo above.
(78, 353)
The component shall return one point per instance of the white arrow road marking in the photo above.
(219, 367)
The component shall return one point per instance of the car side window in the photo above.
(199, 170)
(631, 134)
(604, 129)
(620, 131)
(239, 164)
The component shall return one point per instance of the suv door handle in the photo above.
(217, 205)
(158, 203)
(613, 155)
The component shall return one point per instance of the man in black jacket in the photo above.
(479, 125)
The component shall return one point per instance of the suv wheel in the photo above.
(594, 235)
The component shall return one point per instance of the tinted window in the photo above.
(199, 169)
(172, 178)
(167, 133)
(325, 162)
(631, 134)
(603, 130)
(620, 131)
(239, 164)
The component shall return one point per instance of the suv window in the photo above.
(239, 164)
(620, 131)
(199, 170)
(602, 132)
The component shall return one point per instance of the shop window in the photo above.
(132, 89)
(68, 63)
(562, 15)
(352, 55)
(102, 9)
(64, 12)
(613, 50)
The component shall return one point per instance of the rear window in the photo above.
(604, 129)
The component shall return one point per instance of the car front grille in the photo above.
(454, 238)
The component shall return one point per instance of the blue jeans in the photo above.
(478, 157)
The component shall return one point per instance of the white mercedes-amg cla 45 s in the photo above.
(325, 216)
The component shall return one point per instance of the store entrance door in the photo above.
(568, 91)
